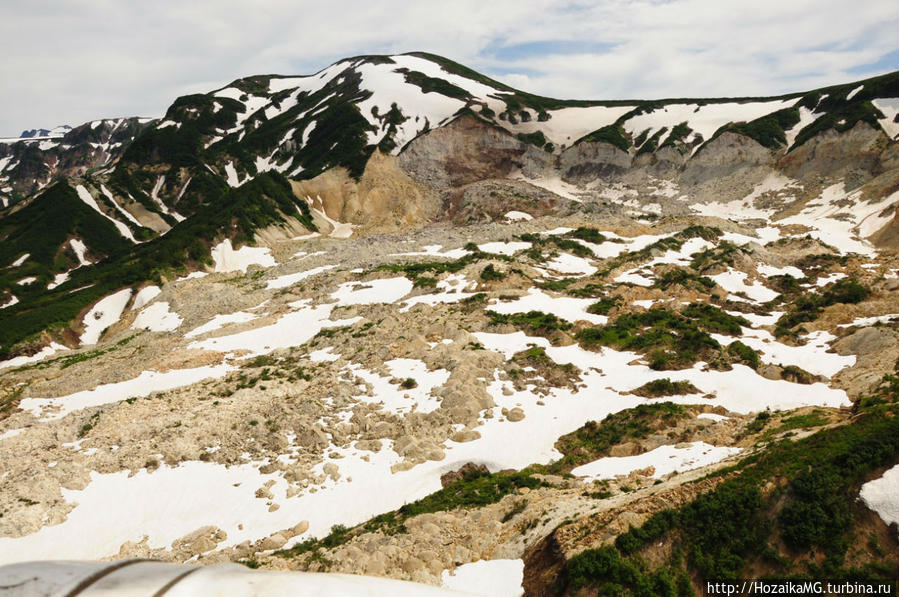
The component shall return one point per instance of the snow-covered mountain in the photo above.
(399, 319)
(37, 134)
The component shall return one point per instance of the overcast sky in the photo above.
(70, 61)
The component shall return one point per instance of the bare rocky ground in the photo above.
(298, 410)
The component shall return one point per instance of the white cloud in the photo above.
(69, 62)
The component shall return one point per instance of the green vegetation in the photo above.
(652, 144)
(418, 269)
(536, 322)
(672, 340)
(613, 134)
(240, 211)
(562, 243)
(606, 571)
(841, 119)
(594, 440)
(807, 307)
(678, 135)
(769, 130)
(537, 139)
(681, 277)
(721, 255)
(588, 234)
(489, 273)
(429, 84)
(42, 229)
(665, 387)
(604, 305)
(669, 243)
(744, 354)
(475, 489)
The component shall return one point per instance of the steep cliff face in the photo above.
(469, 150)
(384, 198)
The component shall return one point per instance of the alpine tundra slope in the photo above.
(397, 319)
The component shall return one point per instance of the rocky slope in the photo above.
(370, 321)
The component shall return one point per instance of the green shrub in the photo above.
(489, 273)
(535, 321)
(665, 387)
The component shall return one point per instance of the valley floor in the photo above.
(307, 405)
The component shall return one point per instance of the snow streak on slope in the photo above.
(143, 385)
(85, 196)
(663, 460)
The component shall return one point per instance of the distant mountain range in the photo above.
(121, 185)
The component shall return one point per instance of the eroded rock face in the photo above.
(385, 198)
(585, 162)
(832, 154)
(467, 151)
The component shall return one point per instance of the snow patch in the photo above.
(664, 459)
(882, 495)
(227, 259)
(497, 578)
(291, 279)
(567, 308)
(85, 196)
(144, 296)
(157, 318)
(50, 409)
(106, 312)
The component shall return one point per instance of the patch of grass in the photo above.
(474, 490)
(537, 322)
(613, 134)
(594, 440)
(665, 387)
(588, 234)
(744, 354)
(490, 273)
(672, 340)
(808, 307)
(681, 277)
(604, 305)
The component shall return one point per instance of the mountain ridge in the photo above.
(147, 175)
